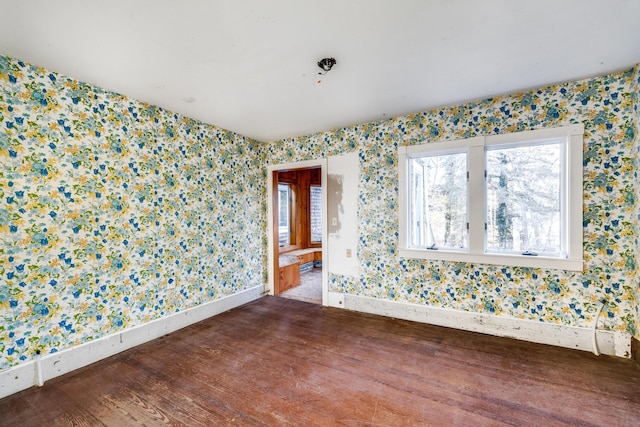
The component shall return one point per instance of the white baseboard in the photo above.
(25, 375)
(608, 342)
(335, 299)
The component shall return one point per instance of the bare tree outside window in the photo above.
(507, 199)
(439, 201)
(523, 193)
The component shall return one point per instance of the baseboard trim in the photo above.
(25, 375)
(608, 342)
(635, 350)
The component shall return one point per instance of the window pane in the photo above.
(438, 197)
(523, 199)
(316, 213)
(284, 238)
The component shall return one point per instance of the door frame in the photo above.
(272, 246)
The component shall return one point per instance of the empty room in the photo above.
(346, 212)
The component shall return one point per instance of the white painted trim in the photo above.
(611, 343)
(495, 259)
(26, 375)
(335, 299)
(270, 242)
(476, 206)
(536, 134)
(575, 155)
(444, 147)
(325, 235)
(270, 245)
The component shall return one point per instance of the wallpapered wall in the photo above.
(636, 222)
(607, 107)
(114, 212)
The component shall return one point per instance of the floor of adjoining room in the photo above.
(281, 362)
(309, 289)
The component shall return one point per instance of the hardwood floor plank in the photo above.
(285, 362)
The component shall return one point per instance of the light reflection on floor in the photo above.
(310, 288)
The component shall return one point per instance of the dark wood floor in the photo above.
(284, 362)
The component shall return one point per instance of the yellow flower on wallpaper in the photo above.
(24, 96)
(113, 243)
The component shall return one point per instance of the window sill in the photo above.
(508, 260)
(288, 248)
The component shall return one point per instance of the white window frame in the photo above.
(476, 209)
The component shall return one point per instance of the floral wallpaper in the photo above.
(636, 108)
(607, 106)
(114, 212)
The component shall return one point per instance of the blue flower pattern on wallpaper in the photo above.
(114, 212)
(608, 107)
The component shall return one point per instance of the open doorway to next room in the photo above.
(298, 224)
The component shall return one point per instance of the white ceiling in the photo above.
(251, 66)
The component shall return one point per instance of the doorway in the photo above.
(297, 231)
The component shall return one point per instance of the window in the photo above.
(512, 199)
(315, 212)
(524, 195)
(438, 217)
(284, 215)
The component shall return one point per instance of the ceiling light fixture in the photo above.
(325, 64)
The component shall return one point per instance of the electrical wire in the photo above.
(596, 351)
